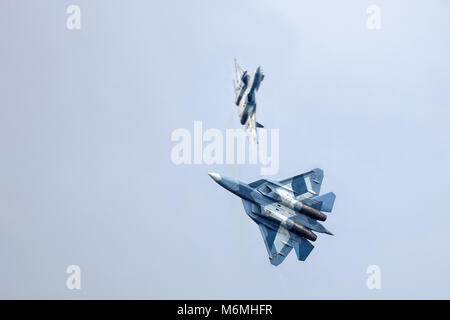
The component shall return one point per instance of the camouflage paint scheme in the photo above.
(287, 212)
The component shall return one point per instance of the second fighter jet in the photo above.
(245, 86)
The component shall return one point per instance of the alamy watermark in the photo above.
(211, 147)
(74, 280)
(373, 21)
(373, 282)
(73, 21)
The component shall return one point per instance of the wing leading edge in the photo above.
(305, 185)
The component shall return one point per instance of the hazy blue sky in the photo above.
(85, 123)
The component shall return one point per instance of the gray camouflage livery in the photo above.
(245, 87)
(287, 212)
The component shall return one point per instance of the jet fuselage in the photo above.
(273, 209)
(246, 99)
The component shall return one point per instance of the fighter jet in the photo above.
(245, 86)
(287, 212)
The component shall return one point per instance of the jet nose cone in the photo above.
(215, 176)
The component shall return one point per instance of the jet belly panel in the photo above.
(287, 198)
(278, 212)
(285, 217)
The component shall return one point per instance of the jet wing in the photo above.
(239, 70)
(277, 243)
(305, 185)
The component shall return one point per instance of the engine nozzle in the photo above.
(310, 212)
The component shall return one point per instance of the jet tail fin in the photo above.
(303, 249)
(259, 125)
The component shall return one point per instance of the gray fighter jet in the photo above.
(245, 86)
(287, 212)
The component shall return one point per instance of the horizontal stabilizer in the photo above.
(326, 200)
(259, 125)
